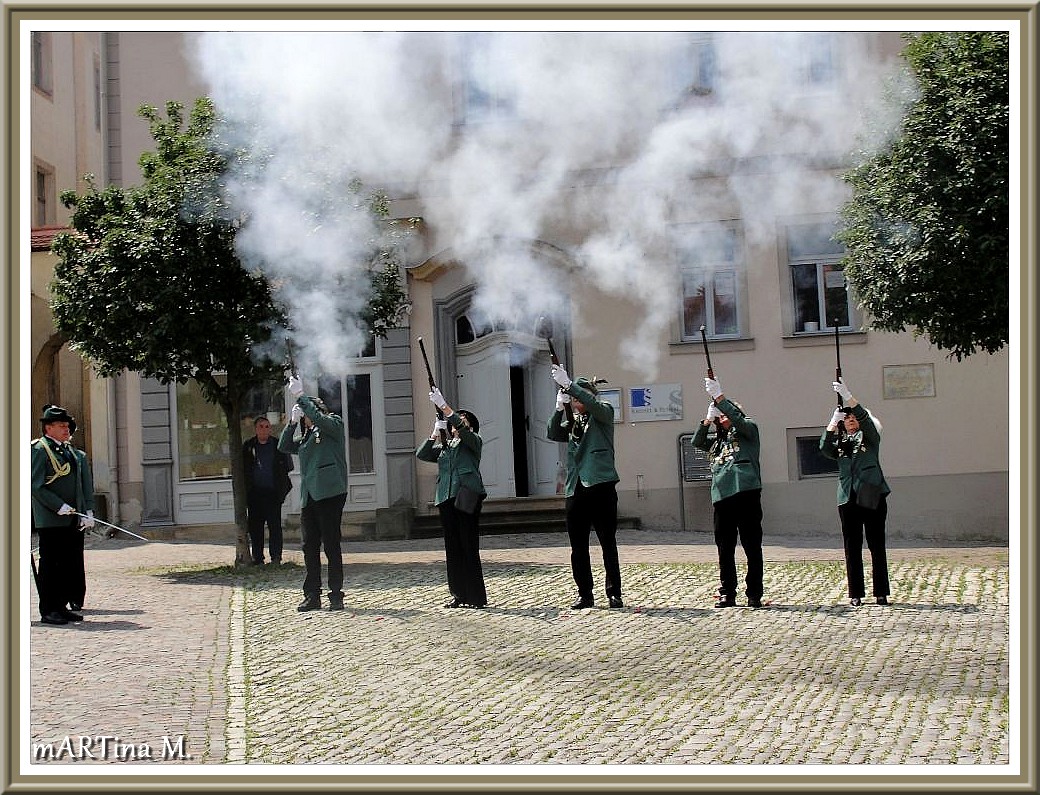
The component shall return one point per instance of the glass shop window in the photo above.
(203, 441)
(357, 414)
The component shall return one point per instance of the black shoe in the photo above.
(477, 607)
(54, 618)
(583, 603)
(310, 603)
(615, 601)
(453, 603)
(277, 562)
(70, 616)
(75, 606)
(855, 602)
(725, 601)
(335, 605)
(754, 602)
(883, 600)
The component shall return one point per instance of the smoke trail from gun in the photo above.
(503, 139)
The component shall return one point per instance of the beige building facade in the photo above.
(761, 277)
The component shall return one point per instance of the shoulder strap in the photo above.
(61, 469)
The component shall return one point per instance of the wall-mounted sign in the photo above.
(655, 402)
(613, 397)
(908, 381)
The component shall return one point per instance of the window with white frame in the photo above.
(696, 69)
(710, 261)
(804, 457)
(821, 60)
(820, 295)
(42, 70)
(44, 201)
(485, 90)
(97, 93)
(356, 411)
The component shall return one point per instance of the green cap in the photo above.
(587, 383)
(53, 413)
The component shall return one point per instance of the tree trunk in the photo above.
(232, 410)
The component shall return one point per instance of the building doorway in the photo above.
(503, 378)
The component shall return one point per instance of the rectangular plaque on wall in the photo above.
(654, 402)
(908, 381)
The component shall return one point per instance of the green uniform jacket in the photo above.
(734, 461)
(590, 459)
(458, 465)
(322, 451)
(863, 466)
(54, 484)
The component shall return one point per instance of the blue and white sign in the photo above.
(655, 402)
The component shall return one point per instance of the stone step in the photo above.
(505, 523)
(499, 516)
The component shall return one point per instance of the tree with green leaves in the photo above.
(149, 280)
(926, 229)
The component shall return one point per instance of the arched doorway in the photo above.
(500, 371)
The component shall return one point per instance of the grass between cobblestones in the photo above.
(398, 679)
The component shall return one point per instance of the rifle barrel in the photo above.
(837, 359)
(707, 354)
(433, 385)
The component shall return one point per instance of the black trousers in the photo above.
(739, 516)
(594, 507)
(265, 509)
(320, 528)
(61, 578)
(855, 523)
(462, 553)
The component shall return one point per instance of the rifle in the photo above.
(544, 329)
(291, 358)
(711, 372)
(433, 385)
(837, 359)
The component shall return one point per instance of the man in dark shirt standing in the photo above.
(267, 477)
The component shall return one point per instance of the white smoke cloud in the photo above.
(385, 108)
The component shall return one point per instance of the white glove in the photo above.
(295, 387)
(296, 413)
(713, 413)
(88, 522)
(437, 399)
(439, 425)
(713, 388)
(560, 376)
(65, 509)
(842, 390)
(562, 399)
(837, 418)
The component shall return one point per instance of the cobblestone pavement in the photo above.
(183, 653)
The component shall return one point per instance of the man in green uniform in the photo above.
(62, 487)
(318, 437)
(736, 492)
(591, 489)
